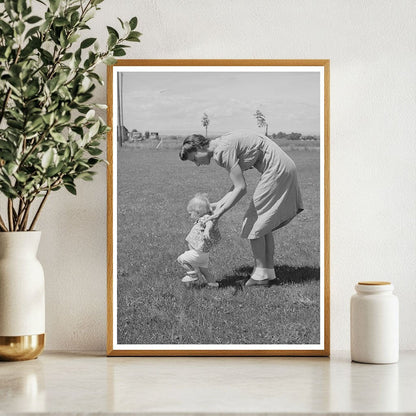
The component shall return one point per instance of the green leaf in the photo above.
(52, 171)
(82, 166)
(46, 56)
(6, 29)
(20, 28)
(86, 176)
(61, 21)
(58, 137)
(112, 41)
(90, 14)
(111, 30)
(70, 188)
(87, 42)
(11, 168)
(4, 145)
(53, 83)
(33, 19)
(63, 41)
(74, 18)
(27, 11)
(31, 90)
(78, 154)
(8, 191)
(21, 6)
(94, 151)
(54, 4)
(48, 118)
(133, 23)
(121, 22)
(47, 158)
(21, 177)
(119, 52)
(94, 129)
(92, 161)
(82, 98)
(16, 124)
(110, 60)
(73, 38)
(10, 7)
(67, 56)
(31, 31)
(67, 153)
(133, 38)
(35, 125)
(90, 115)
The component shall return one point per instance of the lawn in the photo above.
(154, 307)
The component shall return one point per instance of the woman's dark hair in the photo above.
(192, 143)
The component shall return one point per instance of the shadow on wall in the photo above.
(285, 274)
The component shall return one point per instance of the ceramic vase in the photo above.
(22, 297)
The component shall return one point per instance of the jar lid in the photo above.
(372, 287)
(374, 283)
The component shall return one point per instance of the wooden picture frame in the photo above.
(150, 312)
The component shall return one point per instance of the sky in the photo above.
(174, 102)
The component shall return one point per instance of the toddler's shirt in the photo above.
(196, 236)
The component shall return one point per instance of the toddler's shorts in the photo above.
(195, 258)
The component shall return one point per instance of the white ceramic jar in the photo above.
(374, 323)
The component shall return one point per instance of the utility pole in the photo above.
(120, 121)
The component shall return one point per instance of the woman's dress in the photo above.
(277, 198)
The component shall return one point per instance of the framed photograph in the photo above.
(218, 208)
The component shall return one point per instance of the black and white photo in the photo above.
(218, 208)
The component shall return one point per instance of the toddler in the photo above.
(203, 235)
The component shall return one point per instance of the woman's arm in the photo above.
(237, 191)
(220, 203)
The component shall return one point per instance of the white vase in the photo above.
(22, 296)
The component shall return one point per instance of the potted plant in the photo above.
(50, 136)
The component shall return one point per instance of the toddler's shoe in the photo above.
(189, 278)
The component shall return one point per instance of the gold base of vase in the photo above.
(20, 348)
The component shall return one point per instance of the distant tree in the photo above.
(205, 123)
(294, 136)
(281, 135)
(261, 120)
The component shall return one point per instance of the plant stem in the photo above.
(20, 213)
(2, 224)
(39, 209)
(10, 213)
(26, 216)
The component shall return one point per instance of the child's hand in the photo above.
(214, 217)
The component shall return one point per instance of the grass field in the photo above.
(154, 307)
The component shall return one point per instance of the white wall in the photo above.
(371, 45)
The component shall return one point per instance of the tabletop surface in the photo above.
(83, 383)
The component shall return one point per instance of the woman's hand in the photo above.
(215, 216)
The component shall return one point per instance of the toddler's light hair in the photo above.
(200, 204)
